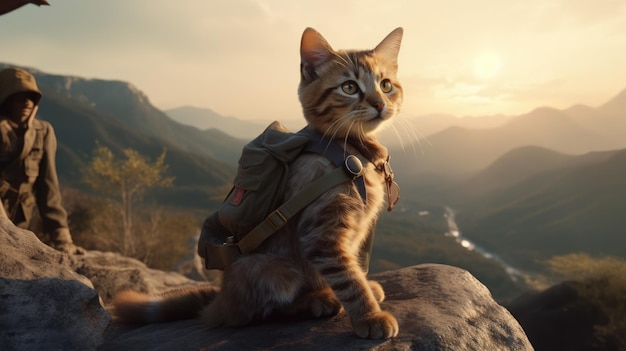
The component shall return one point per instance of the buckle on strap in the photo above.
(353, 166)
(276, 220)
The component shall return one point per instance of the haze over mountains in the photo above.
(529, 186)
(460, 151)
(458, 147)
(204, 118)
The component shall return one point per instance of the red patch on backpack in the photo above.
(237, 197)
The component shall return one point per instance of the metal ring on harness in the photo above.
(354, 166)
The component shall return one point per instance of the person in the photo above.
(27, 161)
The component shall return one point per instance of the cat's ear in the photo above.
(314, 50)
(389, 48)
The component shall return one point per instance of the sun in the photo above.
(487, 65)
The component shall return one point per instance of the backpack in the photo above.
(254, 208)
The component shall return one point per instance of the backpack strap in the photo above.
(221, 254)
(348, 168)
(336, 154)
(279, 217)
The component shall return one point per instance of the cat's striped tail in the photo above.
(131, 307)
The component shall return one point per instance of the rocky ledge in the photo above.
(49, 300)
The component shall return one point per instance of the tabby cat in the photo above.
(311, 266)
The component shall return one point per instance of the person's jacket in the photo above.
(29, 178)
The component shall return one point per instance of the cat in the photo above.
(311, 266)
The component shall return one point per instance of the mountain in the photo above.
(115, 114)
(615, 106)
(404, 130)
(123, 102)
(577, 206)
(204, 118)
(514, 166)
(417, 130)
(518, 165)
(459, 152)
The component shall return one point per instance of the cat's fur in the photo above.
(311, 267)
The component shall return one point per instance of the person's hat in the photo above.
(17, 80)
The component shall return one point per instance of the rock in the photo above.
(50, 313)
(111, 272)
(44, 304)
(192, 265)
(25, 257)
(438, 307)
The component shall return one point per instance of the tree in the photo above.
(602, 284)
(125, 179)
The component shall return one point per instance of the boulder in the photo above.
(438, 307)
(44, 303)
(50, 300)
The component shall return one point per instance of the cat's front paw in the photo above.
(376, 325)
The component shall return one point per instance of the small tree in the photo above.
(125, 179)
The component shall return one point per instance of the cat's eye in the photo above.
(386, 86)
(350, 87)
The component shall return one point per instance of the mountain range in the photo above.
(115, 114)
(459, 151)
(557, 204)
(447, 147)
(546, 182)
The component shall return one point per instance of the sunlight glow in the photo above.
(487, 65)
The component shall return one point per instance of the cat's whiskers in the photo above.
(334, 128)
(360, 132)
(345, 140)
(411, 132)
(402, 137)
(338, 128)
(361, 135)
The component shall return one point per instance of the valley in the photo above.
(523, 188)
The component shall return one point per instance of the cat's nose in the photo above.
(378, 105)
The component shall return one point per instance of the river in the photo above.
(453, 231)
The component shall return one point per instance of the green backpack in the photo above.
(254, 208)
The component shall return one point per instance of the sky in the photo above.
(241, 57)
